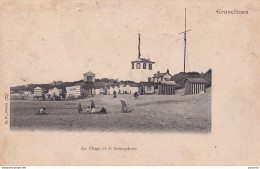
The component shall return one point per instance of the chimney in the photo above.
(158, 71)
(167, 70)
(139, 41)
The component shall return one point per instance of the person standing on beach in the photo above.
(79, 108)
(92, 106)
(114, 93)
(136, 95)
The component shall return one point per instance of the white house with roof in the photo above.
(131, 88)
(161, 77)
(115, 87)
(101, 88)
(122, 88)
(141, 68)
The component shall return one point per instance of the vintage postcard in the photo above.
(149, 82)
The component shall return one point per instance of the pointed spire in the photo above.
(139, 42)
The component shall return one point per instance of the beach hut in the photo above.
(116, 88)
(102, 88)
(99, 90)
(146, 88)
(195, 86)
(38, 91)
(38, 94)
(73, 92)
(167, 88)
(89, 77)
(132, 88)
(55, 91)
(122, 88)
(110, 89)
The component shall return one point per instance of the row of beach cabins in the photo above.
(81, 90)
(97, 88)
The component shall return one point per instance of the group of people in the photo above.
(90, 109)
(55, 97)
(135, 95)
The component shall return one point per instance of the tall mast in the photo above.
(185, 40)
(139, 41)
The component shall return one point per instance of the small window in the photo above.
(133, 65)
(150, 66)
(137, 65)
(144, 65)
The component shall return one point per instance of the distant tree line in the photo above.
(181, 77)
(178, 78)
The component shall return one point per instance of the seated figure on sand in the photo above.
(88, 109)
(42, 110)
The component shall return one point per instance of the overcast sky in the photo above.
(55, 40)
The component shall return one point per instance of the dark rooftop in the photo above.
(143, 60)
(196, 80)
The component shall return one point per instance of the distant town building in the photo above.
(195, 85)
(54, 83)
(89, 77)
(141, 68)
(26, 93)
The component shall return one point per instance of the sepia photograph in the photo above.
(129, 83)
(152, 93)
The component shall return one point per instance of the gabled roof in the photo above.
(55, 88)
(142, 60)
(89, 73)
(196, 80)
(157, 75)
(115, 85)
(98, 85)
(37, 88)
(168, 82)
(147, 83)
(133, 84)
